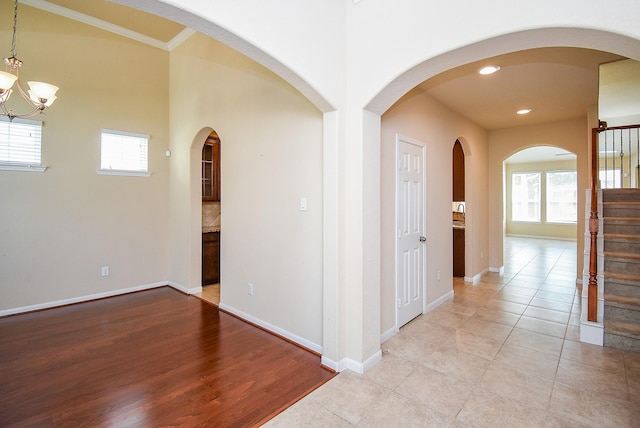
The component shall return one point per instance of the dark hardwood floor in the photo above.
(147, 359)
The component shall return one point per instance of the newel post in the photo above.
(592, 309)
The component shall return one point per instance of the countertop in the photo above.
(458, 224)
(211, 229)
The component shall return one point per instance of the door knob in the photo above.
(423, 239)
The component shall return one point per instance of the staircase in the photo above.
(621, 219)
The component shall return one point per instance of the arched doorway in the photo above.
(541, 193)
(458, 210)
(211, 218)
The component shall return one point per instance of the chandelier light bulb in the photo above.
(7, 80)
(42, 91)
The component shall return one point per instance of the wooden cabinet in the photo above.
(458, 172)
(458, 252)
(210, 258)
(211, 169)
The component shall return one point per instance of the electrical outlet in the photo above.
(105, 270)
(438, 275)
(250, 289)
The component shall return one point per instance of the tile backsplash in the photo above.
(211, 214)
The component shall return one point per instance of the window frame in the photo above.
(124, 172)
(539, 174)
(547, 193)
(9, 165)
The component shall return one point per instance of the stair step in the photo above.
(609, 195)
(623, 328)
(619, 243)
(613, 288)
(627, 302)
(621, 225)
(622, 278)
(627, 209)
(619, 312)
(622, 335)
(621, 342)
(622, 262)
(632, 257)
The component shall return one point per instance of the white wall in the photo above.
(58, 228)
(271, 145)
(420, 117)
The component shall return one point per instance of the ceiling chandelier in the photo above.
(39, 96)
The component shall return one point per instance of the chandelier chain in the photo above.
(15, 26)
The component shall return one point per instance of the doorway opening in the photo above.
(458, 211)
(541, 193)
(211, 219)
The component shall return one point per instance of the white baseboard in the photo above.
(354, 366)
(86, 298)
(553, 238)
(499, 270)
(592, 333)
(185, 290)
(388, 334)
(371, 361)
(440, 300)
(476, 278)
(274, 329)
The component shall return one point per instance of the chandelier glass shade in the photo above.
(38, 97)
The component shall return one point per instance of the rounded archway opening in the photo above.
(541, 193)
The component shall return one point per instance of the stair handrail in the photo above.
(592, 291)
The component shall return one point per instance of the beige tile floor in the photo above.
(505, 352)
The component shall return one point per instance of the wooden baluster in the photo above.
(592, 296)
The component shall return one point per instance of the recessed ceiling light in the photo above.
(524, 111)
(490, 69)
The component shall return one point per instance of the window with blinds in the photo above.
(20, 144)
(123, 153)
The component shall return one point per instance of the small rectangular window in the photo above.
(123, 153)
(525, 197)
(20, 144)
(562, 197)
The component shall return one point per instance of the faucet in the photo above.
(460, 205)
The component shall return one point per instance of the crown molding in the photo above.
(107, 26)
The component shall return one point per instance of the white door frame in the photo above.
(402, 139)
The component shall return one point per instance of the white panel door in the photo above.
(410, 258)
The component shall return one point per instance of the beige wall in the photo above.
(571, 135)
(58, 228)
(543, 229)
(420, 117)
(271, 144)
